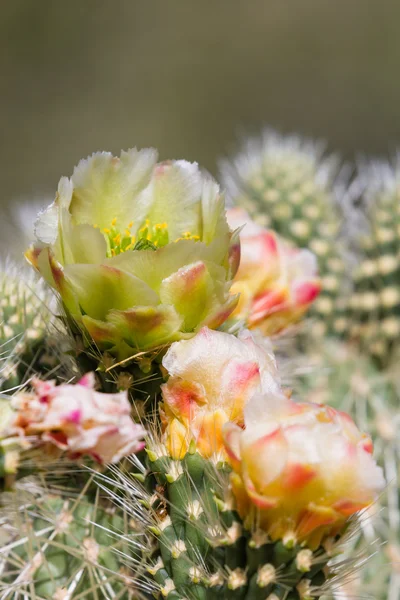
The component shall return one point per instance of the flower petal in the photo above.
(315, 516)
(190, 290)
(231, 438)
(101, 288)
(271, 451)
(221, 313)
(147, 326)
(207, 429)
(176, 439)
(183, 397)
(104, 334)
(47, 223)
(173, 196)
(214, 224)
(153, 266)
(106, 187)
(305, 292)
(53, 273)
(81, 243)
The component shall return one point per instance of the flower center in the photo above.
(147, 237)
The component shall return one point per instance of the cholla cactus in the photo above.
(62, 541)
(273, 537)
(288, 185)
(243, 494)
(25, 323)
(376, 299)
(59, 535)
(341, 376)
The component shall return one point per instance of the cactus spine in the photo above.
(203, 549)
(68, 542)
(25, 318)
(351, 382)
(376, 300)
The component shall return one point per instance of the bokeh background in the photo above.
(185, 76)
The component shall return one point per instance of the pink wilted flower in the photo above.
(300, 469)
(212, 377)
(277, 282)
(78, 420)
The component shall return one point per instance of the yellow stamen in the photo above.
(114, 221)
(130, 224)
(106, 230)
(117, 239)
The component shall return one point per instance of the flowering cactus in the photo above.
(350, 381)
(140, 253)
(78, 420)
(277, 282)
(241, 493)
(300, 469)
(211, 378)
(292, 186)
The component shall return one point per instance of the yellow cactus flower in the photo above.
(277, 282)
(300, 469)
(140, 253)
(212, 377)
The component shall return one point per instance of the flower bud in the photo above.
(277, 282)
(212, 377)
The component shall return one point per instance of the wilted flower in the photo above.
(300, 469)
(212, 377)
(78, 420)
(277, 282)
(140, 252)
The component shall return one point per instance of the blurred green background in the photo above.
(83, 75)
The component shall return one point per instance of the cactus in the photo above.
(339, 375)
(67, 541)
(25, 322)
(204, 550)
(287, 184)
(243, 493)
(376, 299)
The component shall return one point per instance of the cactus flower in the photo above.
(277, 282)
(140, 253)
(300, 469)
(78, 420)
(212, 376)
